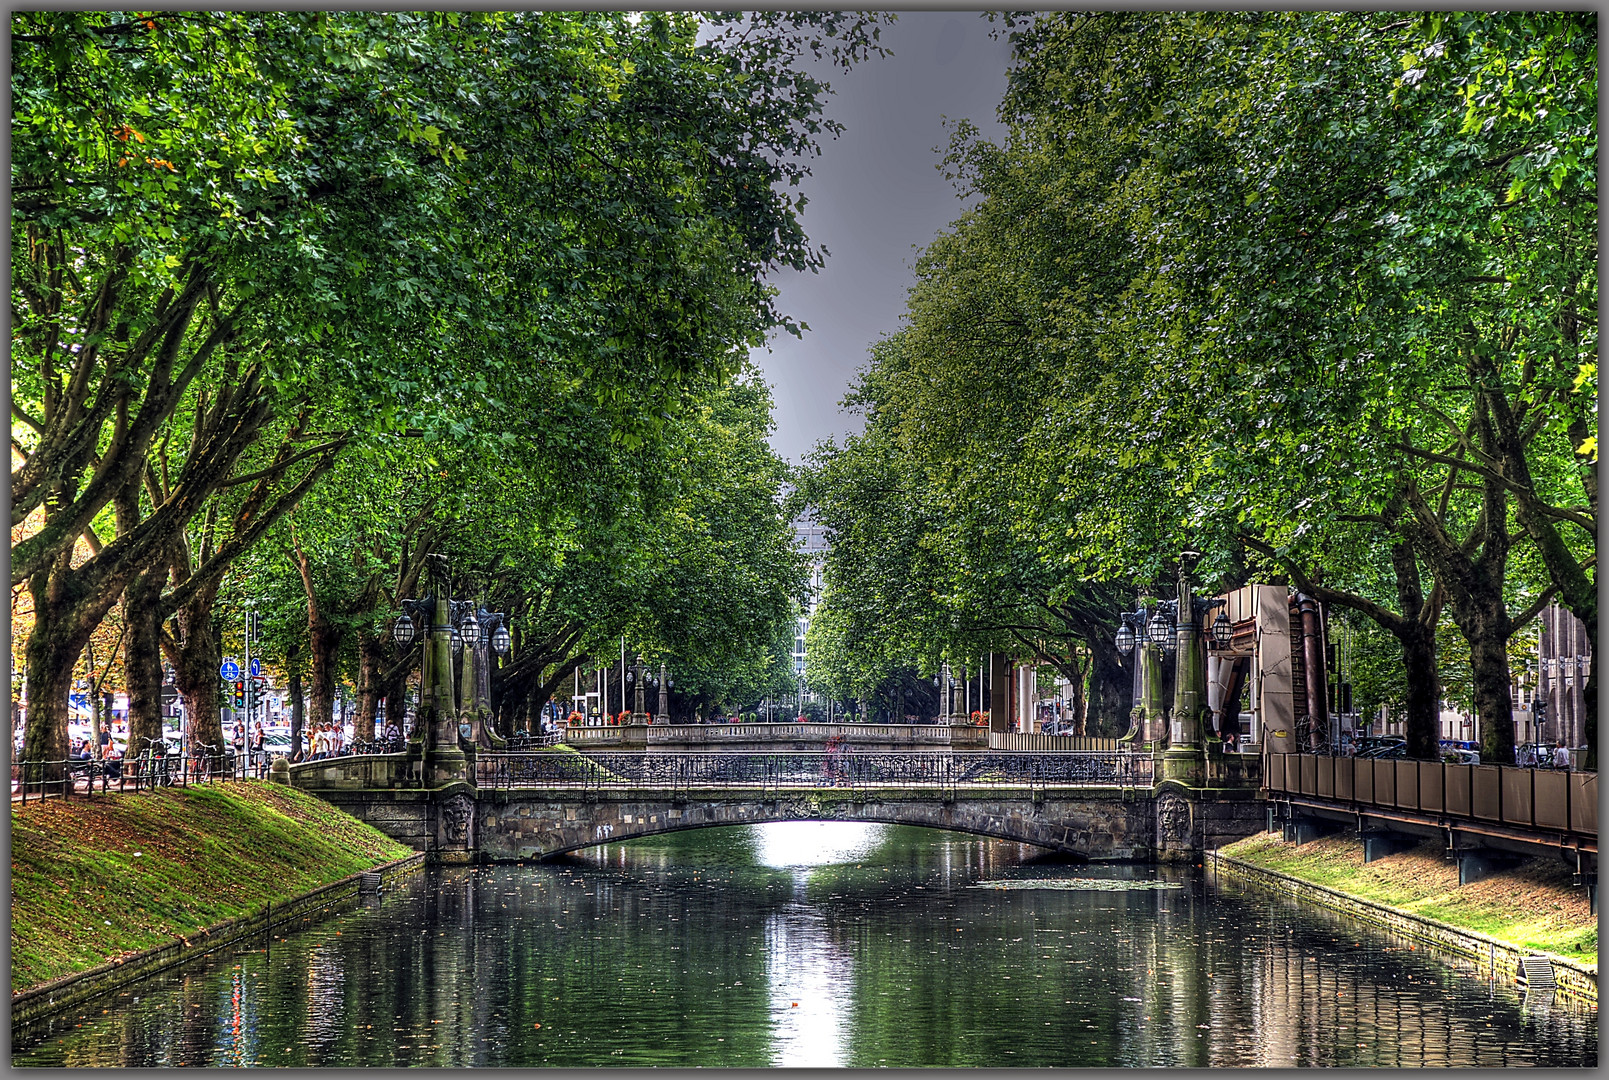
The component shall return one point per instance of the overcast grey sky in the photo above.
(876, 197)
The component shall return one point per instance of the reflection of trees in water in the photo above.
(1325, 1001)
(656, 961)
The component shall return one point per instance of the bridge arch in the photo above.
(1096, 824)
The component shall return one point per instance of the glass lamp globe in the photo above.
(402, 631)
(1161, 629)
(1125, 639)
(501, 642)
(1222, 630)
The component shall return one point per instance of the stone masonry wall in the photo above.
(1487, 954)
(529, 825)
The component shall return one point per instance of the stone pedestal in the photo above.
(1185, 764)
(445, 764)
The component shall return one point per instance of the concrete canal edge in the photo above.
(59, 995)
(1572, 978)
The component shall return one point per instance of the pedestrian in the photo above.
(1561, 757)
(259, 755)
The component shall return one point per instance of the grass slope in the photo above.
(1532, 906)
(91, 881)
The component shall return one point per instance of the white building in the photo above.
(812, 540)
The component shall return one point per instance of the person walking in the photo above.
(259, 754)
(1561, 757)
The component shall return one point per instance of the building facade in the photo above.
(811, 539)
(1564, 662)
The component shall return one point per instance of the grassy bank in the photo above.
(1532, 906)
(91, 881)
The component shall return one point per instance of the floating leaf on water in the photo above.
(1079, 884)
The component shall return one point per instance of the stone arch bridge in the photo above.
(530, 806)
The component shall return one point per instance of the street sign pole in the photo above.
(249, 687)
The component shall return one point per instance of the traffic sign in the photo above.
(256, 666)
(230, 671)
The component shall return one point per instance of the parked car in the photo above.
(1461, 757)
(1382, 746)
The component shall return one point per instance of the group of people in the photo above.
(325, 741)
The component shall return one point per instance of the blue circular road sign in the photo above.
(256, 666)
(230, 671)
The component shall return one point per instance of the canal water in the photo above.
(821, 944)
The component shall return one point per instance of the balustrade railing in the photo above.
(811, 769)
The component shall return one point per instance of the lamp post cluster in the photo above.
(642, 680)
(945, 683)
(454, 631)
(1173, 628)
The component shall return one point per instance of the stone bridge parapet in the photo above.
(459, 823)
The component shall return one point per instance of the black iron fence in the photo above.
(811, 769)
(158, 765)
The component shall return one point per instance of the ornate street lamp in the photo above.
(635, 680)
(448, 627)
(1222, 629)
(402, 630)
(663, 716)
(1161, 628)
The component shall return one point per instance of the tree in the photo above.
(397, 216)
(1259, 230)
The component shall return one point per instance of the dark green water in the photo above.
(820, 944)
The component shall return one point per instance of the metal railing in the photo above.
(523, 740)
(151, 768)
(1547, 800)
(811, 769)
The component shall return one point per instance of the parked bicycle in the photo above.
(204, 761)
(153, 770)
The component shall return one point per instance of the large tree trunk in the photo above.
(372, 663)
(396, 706)
(195, 668)
(1487, 628)
(1080, 704)
(1423, 722)
(52, 650)
(298, 711)
(1578, 591)
(142, 655)
(324, 641)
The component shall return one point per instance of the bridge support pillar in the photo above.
(1378, 845)
(1478, 864)
(1304, 830)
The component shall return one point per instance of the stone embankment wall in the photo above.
(1489, 955)
(59, 995)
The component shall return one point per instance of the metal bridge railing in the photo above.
(1541, 800)
(812, 770)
